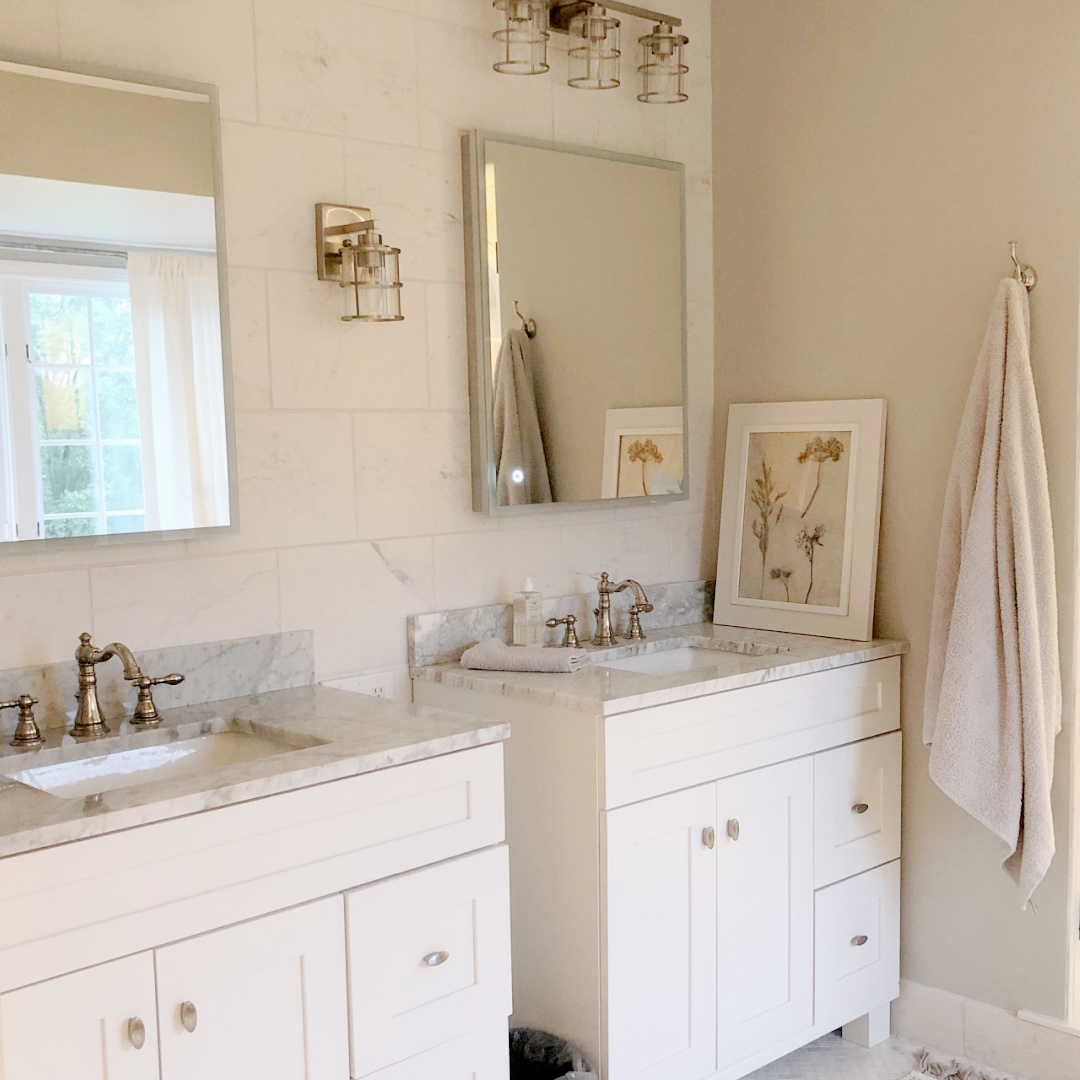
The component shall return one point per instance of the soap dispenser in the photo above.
(528, 616)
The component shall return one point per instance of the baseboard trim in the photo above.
(1026, 1045)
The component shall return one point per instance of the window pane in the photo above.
(60, 329)
(84, 526)
(118, 410)
(67, 480)
(64, 404)
(112, 331)
(125, 523)
(123, 477)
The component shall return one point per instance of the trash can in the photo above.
(538, 1055)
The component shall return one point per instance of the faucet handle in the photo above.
(27, 732)
(571, 639)
(146, 713)
(636, 611)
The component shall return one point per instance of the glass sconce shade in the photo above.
(594, 50)
(369, 274)
(523, 37)
(662, 69)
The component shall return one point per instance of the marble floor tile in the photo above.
(831, 1058)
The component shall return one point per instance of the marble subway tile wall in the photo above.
(352, 440)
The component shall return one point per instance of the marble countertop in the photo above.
(329, 734)
(743, 658)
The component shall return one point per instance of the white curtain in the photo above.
(176, 327)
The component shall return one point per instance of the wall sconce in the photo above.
(594, 50)
(662, 69)
(350, 252)
(594, 45)
(524, 37)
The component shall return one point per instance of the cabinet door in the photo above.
(268, 999)
(480, 1055)
(660, 947)
(82, 1026)
(765, 904)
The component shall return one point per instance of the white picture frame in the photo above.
(820, 463)
(621, 424)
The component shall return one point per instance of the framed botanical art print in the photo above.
(643, 452)
(799, 520)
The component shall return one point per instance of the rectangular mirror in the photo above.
(575, 271)
(114, 400)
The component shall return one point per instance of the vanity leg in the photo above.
(870, 1029)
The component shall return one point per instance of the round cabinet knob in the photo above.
(708, 837)
(860, 808)
(733, 828)
(859, 939)
(434, 959)
(188, 1016)
(136, 1032)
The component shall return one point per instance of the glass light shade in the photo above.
(369, 276)
(523, 37)
(594, 50)
(662, 69)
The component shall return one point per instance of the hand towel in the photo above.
(521, 471)
(993, 683)
(495, 655)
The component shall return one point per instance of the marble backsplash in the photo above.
(212, 671)
(440, 637)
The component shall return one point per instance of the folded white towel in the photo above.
(993, 681)
(495, 655)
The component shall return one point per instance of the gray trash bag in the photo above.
(537, 1055)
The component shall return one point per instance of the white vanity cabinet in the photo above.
(351, 928)
(700, 887)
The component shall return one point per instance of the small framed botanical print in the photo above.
(643, 452)
(800, 516)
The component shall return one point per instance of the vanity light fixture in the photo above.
(594, 50)
(593, 53)
(524, 37)
(349, 251)
(662, 68)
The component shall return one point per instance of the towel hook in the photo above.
(529, 325)
(1024, 274)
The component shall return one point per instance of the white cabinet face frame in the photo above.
(660, 946)
(269, 999)
(80, 1026)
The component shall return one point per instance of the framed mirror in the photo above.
(576, 294)
(115, 408)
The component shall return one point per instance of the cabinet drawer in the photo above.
(856, 945)
(653, 751)
(856, 808)
(429, 957)
(480, 1055)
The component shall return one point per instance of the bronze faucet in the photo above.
(604, 635)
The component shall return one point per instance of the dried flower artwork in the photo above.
(796, 495)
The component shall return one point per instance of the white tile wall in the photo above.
(353, 440)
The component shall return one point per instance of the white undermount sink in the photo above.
(667, 663)
(147, 764)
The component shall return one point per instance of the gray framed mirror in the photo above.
(576, 310)
(115, 396)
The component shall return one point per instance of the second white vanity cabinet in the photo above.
(702, 886)
(398, 970)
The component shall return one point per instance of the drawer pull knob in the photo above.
(188, 1016)
(733, 828)
(859, 939)
(860, 808)
(434, 959)
(136, 1032)
(708, 837)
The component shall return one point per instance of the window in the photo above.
(68, 343)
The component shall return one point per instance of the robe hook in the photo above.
(528, 325)
(1024, 274)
